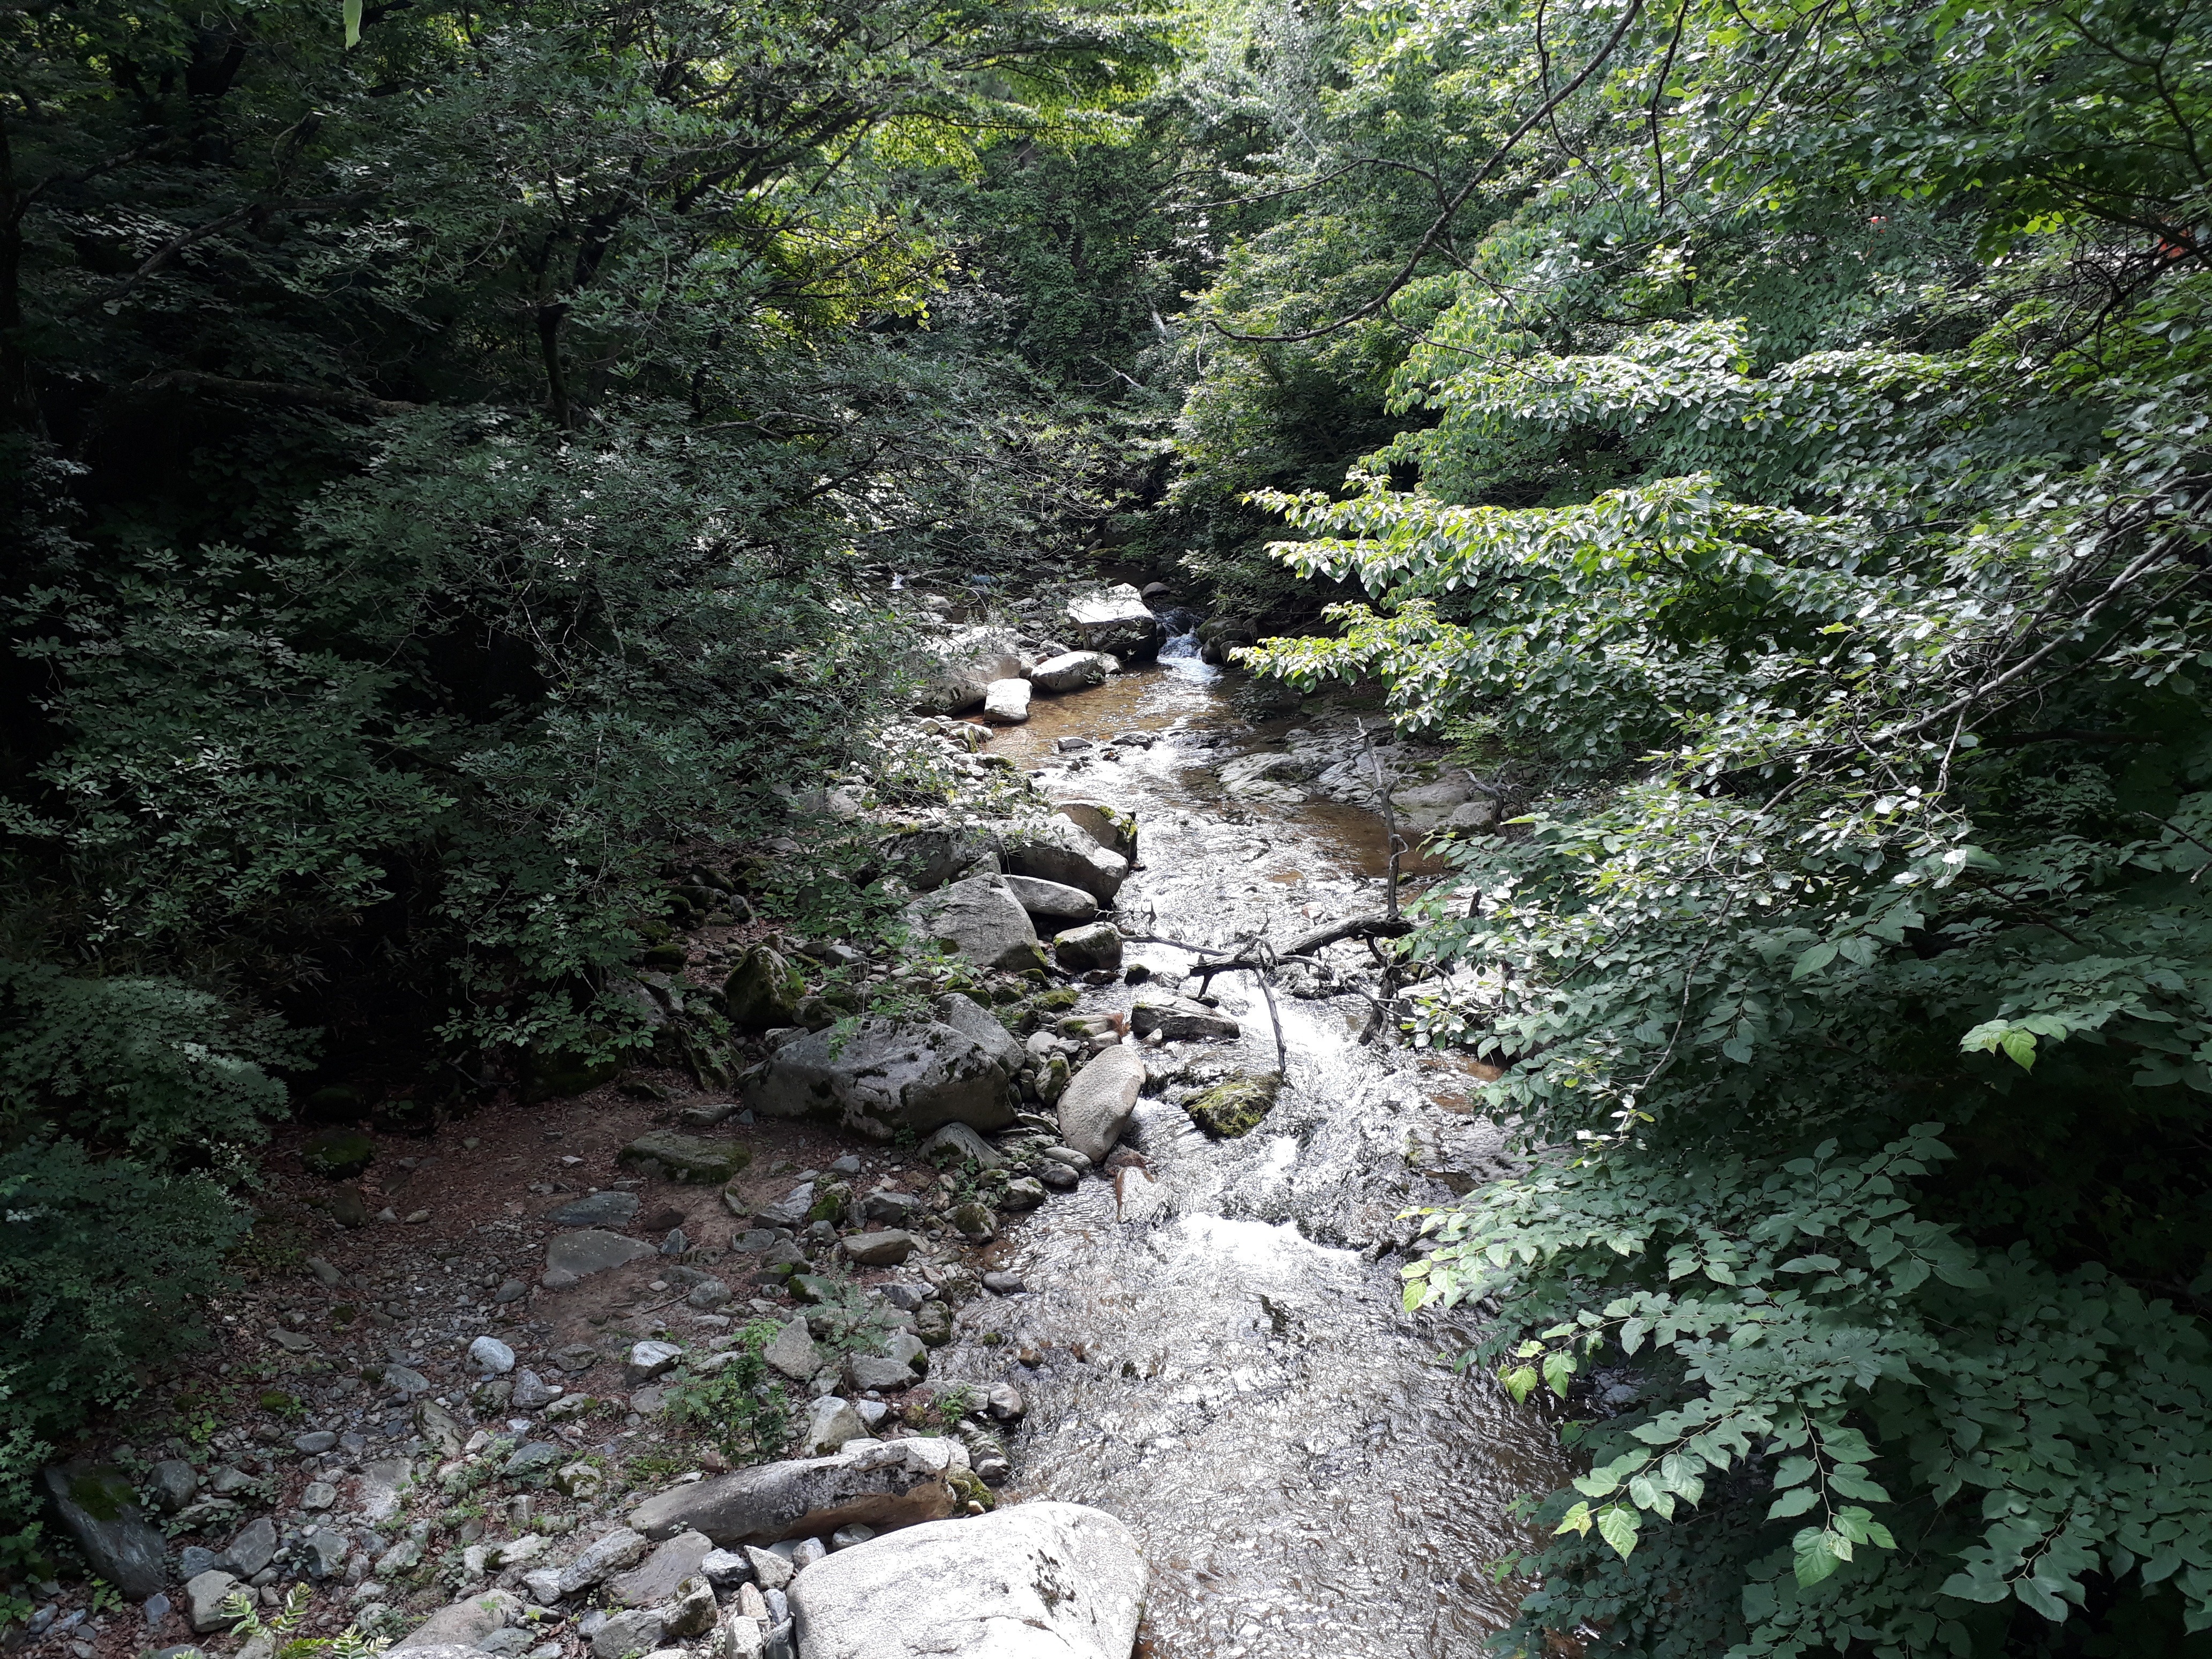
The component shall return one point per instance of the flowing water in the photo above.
(1218, 1357)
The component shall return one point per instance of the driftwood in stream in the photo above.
(1261, 954)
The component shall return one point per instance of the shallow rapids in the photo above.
(1218, 1355)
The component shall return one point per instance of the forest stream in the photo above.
(1222, 1363)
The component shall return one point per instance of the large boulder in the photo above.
(929, 858)
(99, 1508)
(1056, 849)
(572, 1256)
(1178, 1019)
(1072, 670)
(965, 1014)
(980, 919)
(1112, 828)
(465, 1624)
(1115, 619)
(1034, 1581)
(763, 991)
(1006, 702)
(1055, 899)
(885, 1075)
(897, 1484)
(1099, 1101)
(958, 669)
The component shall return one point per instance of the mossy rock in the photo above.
(559, 1074)
(968, 1488)
(830, 1202)
(338, 1153)
(665, 955)
(763, 991)
(688, 1158)
(1235, 1107)
(1059, 1000)
(278, 1403)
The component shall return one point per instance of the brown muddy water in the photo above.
(1221, 1360)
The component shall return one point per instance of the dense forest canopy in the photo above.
(449, 469)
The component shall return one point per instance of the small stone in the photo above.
(871, 1371)
(319, 1495)
(253, 1549)
(510, 1289)
(905, 1297)
(793, 1353)
(810, 1551)
(845, 1537)
(692, 1612)
(317, 1440)
(491, 1357)
(831, 1422)
(770, 1570)
(675, 1243)
(292, 1341)
(649, 1360)
(417, 1217)
(1004, 1402)
(531, 1457)
(529, 1393)
(973, 1221)
(726, 1568)
(203, 1599)
(173, 1483)
(582, 1481)
(156, 1607)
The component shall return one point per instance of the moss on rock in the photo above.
(1235, 1107)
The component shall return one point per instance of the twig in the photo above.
(1389, 814)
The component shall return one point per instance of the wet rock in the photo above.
(1069, 1578)
(893, 1485)
(885, 1075)
(960, 667)
(1004, 1402)
(1112, 828)
(656, 1578)
(763, 991)
(1235, 1107)
(1115, 619)
(465, 1624)
(1056, 849)
(491, 1357)
(978, 917)
(609, 1553)
(883, 1249)
(203, 1599)
(831, 1422)
(1054, 900)
(1096, 946)
(1268, 777)
(572, 1256)
(793, 1353)
(1100, 1101)
(1006, 702)
(1058, 1176)
(1073, 670)
(607, 1209)
(99, 1508)
(688, 1158)
(1177, 1018)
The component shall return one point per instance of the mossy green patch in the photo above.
(1235, 1107)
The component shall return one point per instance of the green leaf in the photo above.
(1793, 1503)
(1815, 1555)
(2021, 1046)
(351, 11)
(1812, 961)
(1559, 1370)
(1617, 1524)
(1577, 1520)
(1520, 1383)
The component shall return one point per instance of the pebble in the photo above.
(319, 1495)
(1004, 1284)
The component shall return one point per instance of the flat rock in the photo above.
(1096, 944)
(1035, 1581)
(607, 1553)
(884, 1249)
(654, 1580)
(1073, 670)
(885, 1075)
(688, 1158)
(572, 1256)
(959, 668)
(204, 1598)
(978, 917)
(1054, 899)
(1112, 828)
(607, 1209)
(1177, 1018)
(894, 1485)
(1057, 849)
(1006, 702)
(1115, 619)
(465, 1624)
(793, 1353)
(1099, 1101)
(99, 1508)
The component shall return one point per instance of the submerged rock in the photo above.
(1235, 1107)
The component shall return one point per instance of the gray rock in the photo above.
(1069, 1578)
(607, 1209)
(465, 1624)
(726, 1568)
(173, 1483)
(1099, 945)
(572, 1256)
(883, 1486)
(1024, 1191)
(885, 1075)
(1177, 1018)
(1115, 619)
(884, 1249)
(1051, 898)
(253, 1549)
(1111, 827)
(958, 669)
(890, 1206)
(739, 1638)
(204, 1598)
(1004, 1402)
(780, 1641)
(637, 1631)
(964, 1014)
(1073, 670)
(690, 1612)
(491, 1357)
(810, 1551)
(906, 1298)
(194, 1559)
(793, 1353)
(325, 1549)
(686, 1157)
(510, 1289)
(532, 1393)
(961, 1141)
(978, 917)
(932, 857)
(831, 1422)
(656, 1578)
(771, 1569)
(675, 1243)
(649, 1360)
(509, 1644)
(707, 1295)
(867, 1371)
(99, 1508)
(530, 1458)
(1056, 850)
(384, 1481)
(315, 1441)
(1100, 1100)
(623, 1547)
(845, 1537)
(1004, 1284)
(1006, 702)
(155, 1609)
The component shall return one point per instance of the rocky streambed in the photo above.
(1151, 1286)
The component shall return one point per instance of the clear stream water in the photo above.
(1220, 1361)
